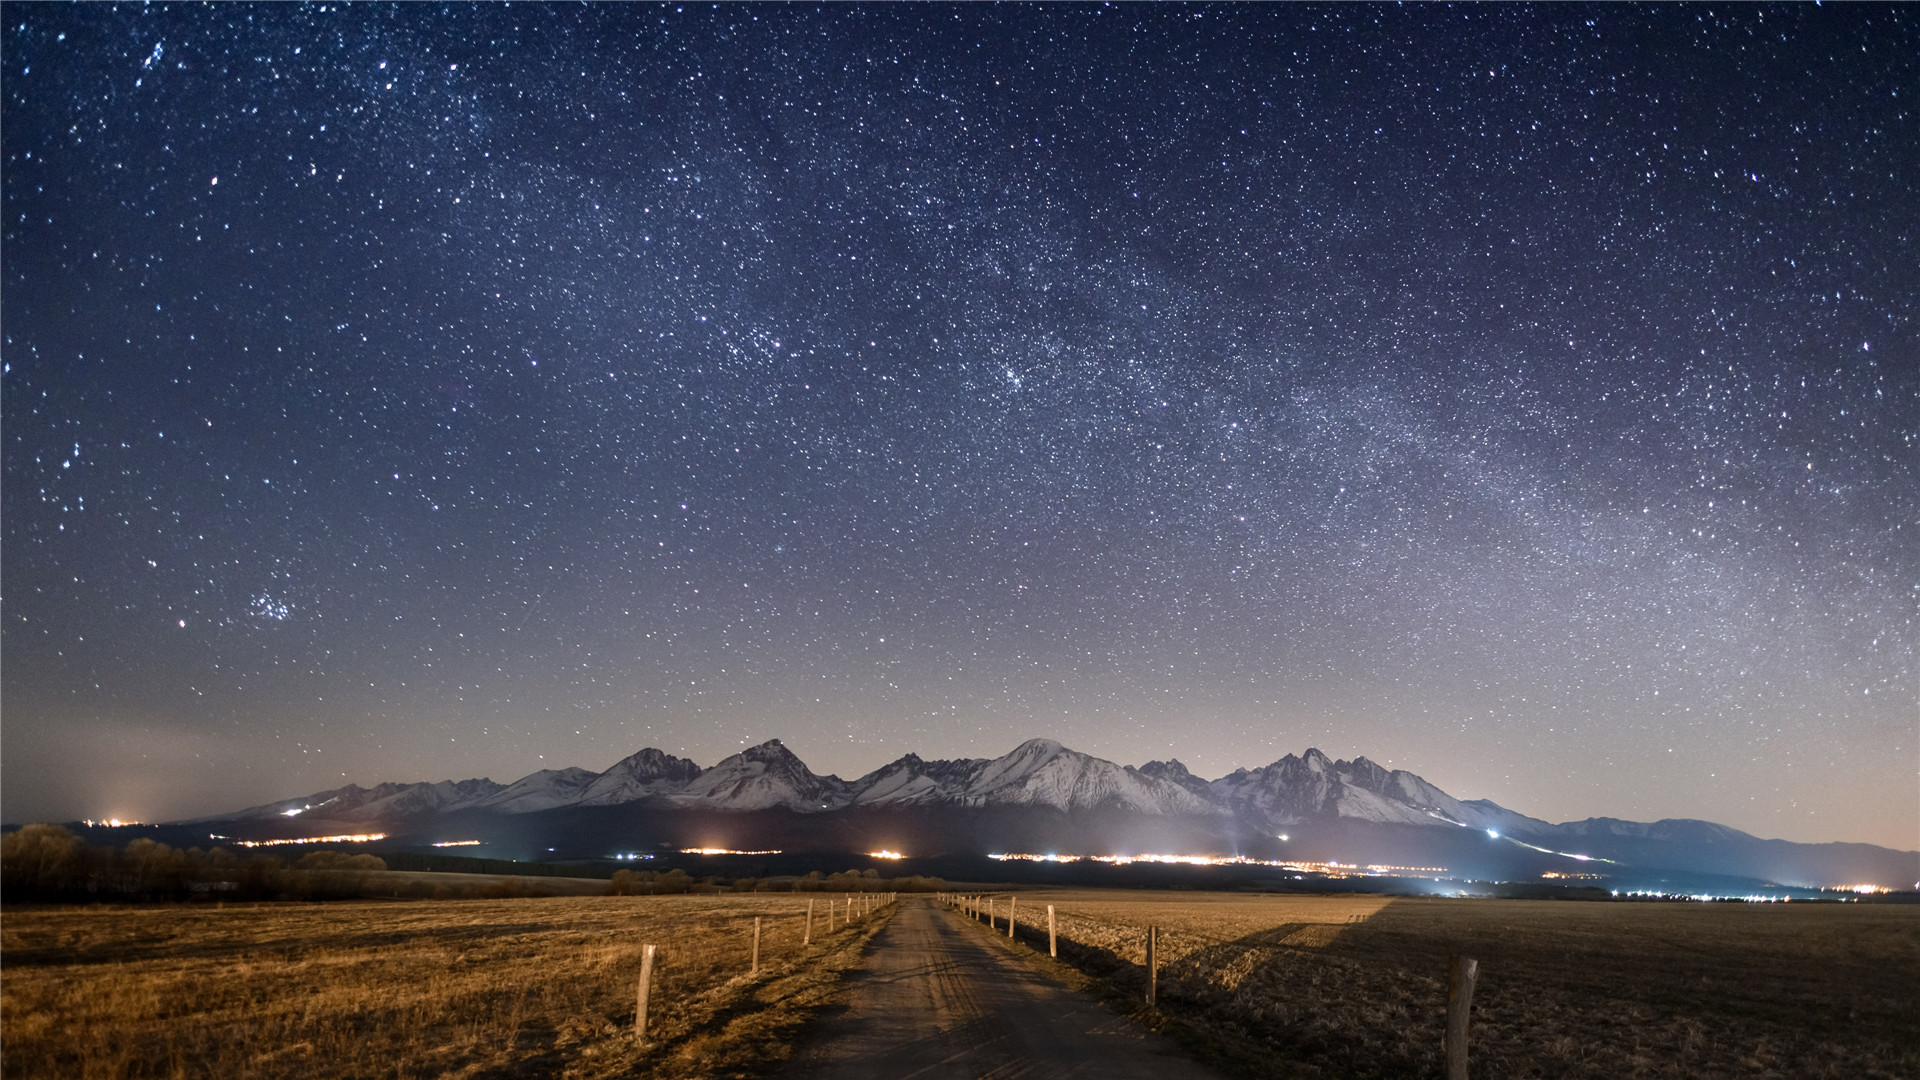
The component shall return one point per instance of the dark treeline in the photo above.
(48, 864)
(468, 864)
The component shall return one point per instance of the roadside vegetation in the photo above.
(1355, 986)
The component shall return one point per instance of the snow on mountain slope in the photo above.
(1175, 773)
(348, 796)
(761, 778)
(647, 773)
(1297, 789)
(355, 803)
(542, 790)
(1288, 791)
(912, 781)
(1687, 829)
(389, 801)
(1041, 772)
(1407, 789)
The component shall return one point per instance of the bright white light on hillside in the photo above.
(295, 812)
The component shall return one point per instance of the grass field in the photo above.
(477, 988)
(1355, 986)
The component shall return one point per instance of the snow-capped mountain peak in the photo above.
(760, 778)
(1042, 772)
(638, 776)
(542, 790)
(1173, 772)
(911, 780)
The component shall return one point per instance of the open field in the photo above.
(472, 988)
(1355, 986)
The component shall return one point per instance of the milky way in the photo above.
(1527, 398)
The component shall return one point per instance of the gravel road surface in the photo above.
(936, 1001)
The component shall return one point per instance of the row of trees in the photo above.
(47, 864)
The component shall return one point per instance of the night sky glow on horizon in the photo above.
(1528, 398)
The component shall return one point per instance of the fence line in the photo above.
(1462, 974)
(648, 999)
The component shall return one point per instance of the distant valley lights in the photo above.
(883, 853)
(1331, 869)
(723, 851)
(341, 838)
(457, 843)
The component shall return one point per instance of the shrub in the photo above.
(42, 862)
(339, 860)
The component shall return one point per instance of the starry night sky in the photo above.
(1526, 398)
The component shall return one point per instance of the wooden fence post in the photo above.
(1053, 946)
(646, 980)
(753, 968)
(808, 940)
(1011, 901)
(989, 912)
(1460, 978)
(1153, 970)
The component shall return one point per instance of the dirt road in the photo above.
(937, 1002)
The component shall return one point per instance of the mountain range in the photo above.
(1044, 796)
(1038, 773)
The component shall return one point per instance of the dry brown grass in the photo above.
(1355, 986)
(461, 989)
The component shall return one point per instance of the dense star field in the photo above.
(1527, 398)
